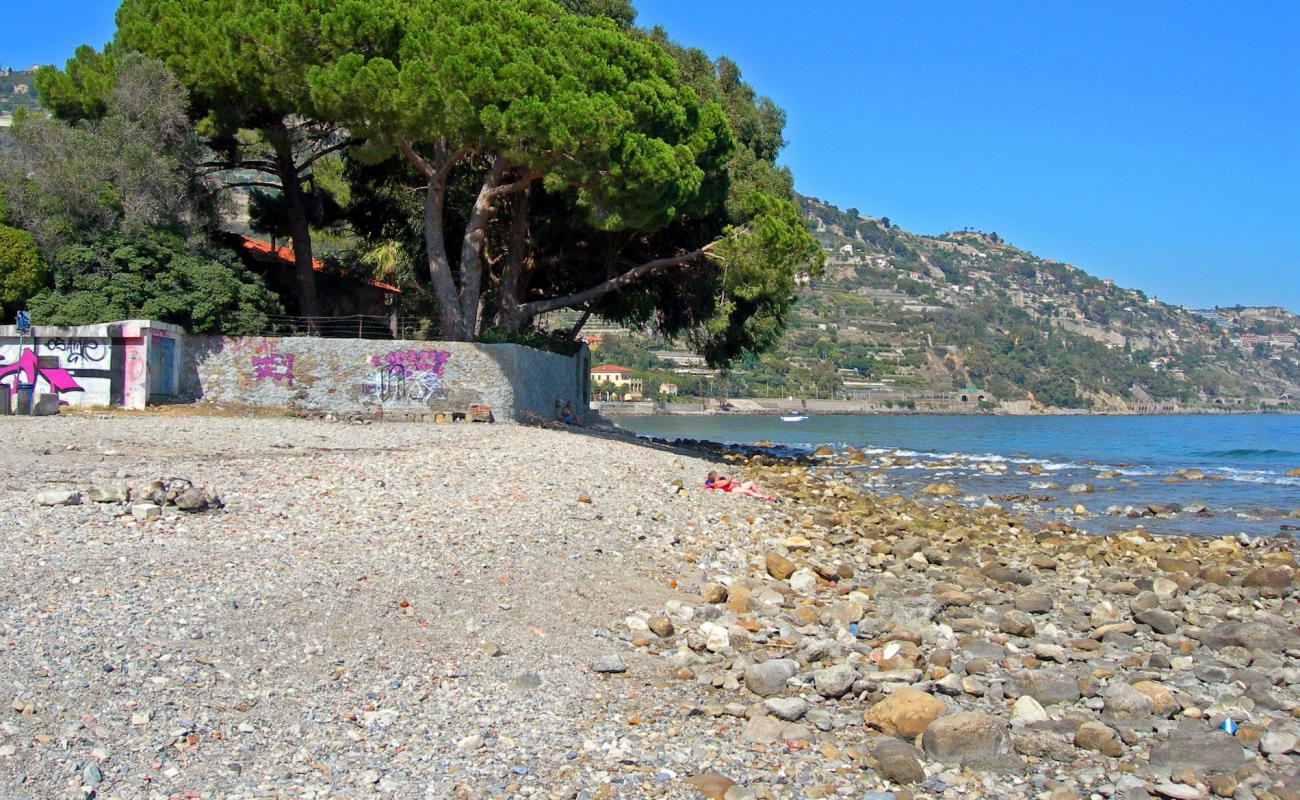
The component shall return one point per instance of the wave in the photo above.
(1250, 453)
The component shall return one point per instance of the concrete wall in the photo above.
(124, 364)
(392, 379)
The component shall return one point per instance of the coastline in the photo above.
(501, 610)
(771, 407)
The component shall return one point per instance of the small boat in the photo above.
(794, 417)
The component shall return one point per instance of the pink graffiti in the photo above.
(411, 362)
(60, 380)
(275, 366)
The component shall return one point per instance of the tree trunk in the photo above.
(435, 251)
(471, 251)
(299, 227)
(435, 243)
(510, 316)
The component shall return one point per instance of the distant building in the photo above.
(973, 395)
(20, 88)
(594, 342)
(617, 382)
(668, 389)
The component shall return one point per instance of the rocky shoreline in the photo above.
(961, 652)
(480, 611)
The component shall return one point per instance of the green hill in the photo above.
(900, 315)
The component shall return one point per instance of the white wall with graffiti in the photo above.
(402, 379)
(136, 362)
(125, 364)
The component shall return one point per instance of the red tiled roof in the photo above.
(609, 369)
(284, 255)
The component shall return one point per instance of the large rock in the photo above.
(1124, 704)
(1162, 700)
(768, 678)
(969, 735)
(762, 729)
(1027, 711)
(711, 785)
(835, 681)
(778, 566)
(905, 713)
(1099, 738)
(941, 490)
(59, 497)
(1048, 687)
(898, 762)
(1250, 635)
(1017, 623)
(1198, 747)
(1159, 620)
(1267, 578)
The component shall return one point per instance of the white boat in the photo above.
(794, 418)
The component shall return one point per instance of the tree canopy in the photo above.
(110, 216)
(566, 126)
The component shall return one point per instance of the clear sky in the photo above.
(1153, 142)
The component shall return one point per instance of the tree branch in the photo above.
(331, 149)
(577, 327)
(417, 161)
(614, 284)
(517, 186)
(257, 164)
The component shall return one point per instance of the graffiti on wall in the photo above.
(277, 367)
(28, 368)
(79, 350)
(414, 376)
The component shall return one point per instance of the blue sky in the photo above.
(1156, 143)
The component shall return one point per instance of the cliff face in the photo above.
(968, 308)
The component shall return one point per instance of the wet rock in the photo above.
(968, 735)
(1267, 578)
(769, 678)
(940, 490)
(905, 713)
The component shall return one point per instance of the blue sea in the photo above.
(1129, 462)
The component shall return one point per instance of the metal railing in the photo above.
(351, 326)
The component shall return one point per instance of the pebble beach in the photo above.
(341, 609)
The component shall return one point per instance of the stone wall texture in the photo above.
(390, 379)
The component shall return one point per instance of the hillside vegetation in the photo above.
(900, 312)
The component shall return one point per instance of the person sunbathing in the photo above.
(724, 484)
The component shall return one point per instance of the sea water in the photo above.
(1127, 461)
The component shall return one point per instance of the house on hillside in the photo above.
(668, 390)
(617, 383)
(972, 396)
(20, 88)
(339, 294)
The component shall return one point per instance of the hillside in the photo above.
(899, 317)
(17, 90)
